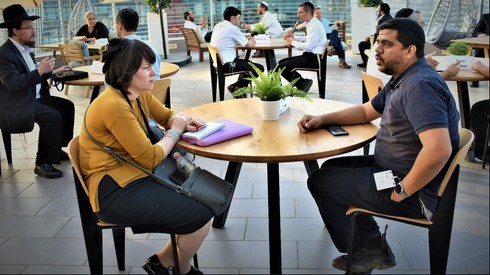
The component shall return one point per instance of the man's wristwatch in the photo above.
(399, 188)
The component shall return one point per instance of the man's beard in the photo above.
(192, 19)
(30, 44)
(387, 69)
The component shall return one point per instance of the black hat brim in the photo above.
(11, 22)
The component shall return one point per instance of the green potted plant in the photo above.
(260, 28)
(153, 4)
(267, 87)
(369, 3)
(459, 51)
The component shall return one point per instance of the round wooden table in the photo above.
(273, 142)
(97, 79)
(268, 49)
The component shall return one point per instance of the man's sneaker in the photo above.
(365, 260)
(152, 265)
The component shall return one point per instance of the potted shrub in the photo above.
(154, 25)
(460, 51)
(274, 96)
(369, 3)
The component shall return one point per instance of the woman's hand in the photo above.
(179, 122)
(195, 124)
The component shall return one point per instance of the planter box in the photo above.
(155, 31)
(271, 110)
(363, 24)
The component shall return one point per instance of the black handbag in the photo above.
(202, 185)
(60, 78)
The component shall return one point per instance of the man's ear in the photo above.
(411, 51)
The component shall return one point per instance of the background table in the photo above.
(273, 142)
(97, 79)
(92, 48)
(268, 49)
(477, 42)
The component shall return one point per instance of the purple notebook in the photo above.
(231, 130)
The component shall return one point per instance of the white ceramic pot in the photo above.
(271, 109)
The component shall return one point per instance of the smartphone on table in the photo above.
(336, 130)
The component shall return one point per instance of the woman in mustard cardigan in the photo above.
(120, 193)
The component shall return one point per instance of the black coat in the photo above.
(18, 90)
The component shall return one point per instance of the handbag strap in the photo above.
(107, 149)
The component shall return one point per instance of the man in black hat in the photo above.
(25, 93)
(418, 135)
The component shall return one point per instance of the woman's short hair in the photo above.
(89, 13)
(123, 59)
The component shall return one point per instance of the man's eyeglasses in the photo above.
(28, 28)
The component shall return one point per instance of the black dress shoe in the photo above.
(64, 155)
(362, 65)
(47, 170)
(152, 265)
(304, 85)
(475, 84)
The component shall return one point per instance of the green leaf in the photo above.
(268, 86)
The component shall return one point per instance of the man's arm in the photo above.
(354, 115)
(436, 150)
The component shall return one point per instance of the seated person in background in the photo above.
(333, 36)
(190, 23)
(482, 29)
(92, 30)
(312, 46)
(383, 15)
(120, 193)
(274, 28)
(372, 67)
(418, 135)
(25, 93)
(226, 35)
(127, 21)
(479, 117)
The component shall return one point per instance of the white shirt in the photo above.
(225, 37)
(274, 27)
(192, 25)
(372, 68)
(315, 39)
(25, 52)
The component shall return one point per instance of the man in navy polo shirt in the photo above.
(418, 135)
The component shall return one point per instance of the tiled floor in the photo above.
(40, 229)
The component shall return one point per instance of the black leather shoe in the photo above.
(64, 155)
(305, 85)
(364, 260)
(47, 170)
(362, 65)
(153, 266)
(475, 84)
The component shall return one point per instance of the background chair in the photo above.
(442, 222)
(321, 72)
(371, 86)
(161, 90)
(72, 55)
(92, 226)
(194, 43)
(217, 72)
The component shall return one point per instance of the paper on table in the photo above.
(211, 127)
(97, 67)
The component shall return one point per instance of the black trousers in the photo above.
(242, 65)
(364, 45)
(349, 181)
(479, 124)
(207, 37)
(306, 60)
(55, 117)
